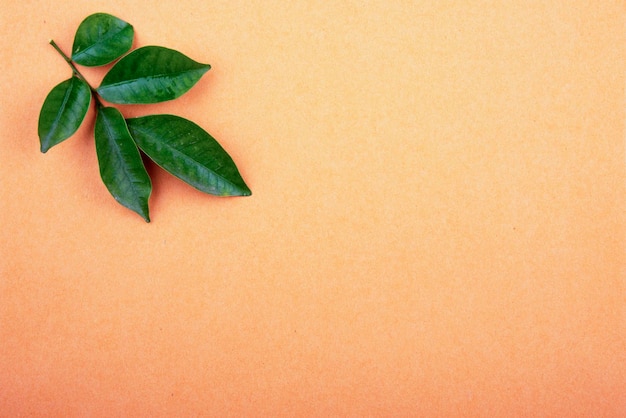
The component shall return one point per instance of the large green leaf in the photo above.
(150, 74)
(188, 152)
(121, 167)
(101, 39)
(63, 111)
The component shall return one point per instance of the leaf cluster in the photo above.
(149, 74)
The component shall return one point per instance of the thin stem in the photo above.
(69, 61)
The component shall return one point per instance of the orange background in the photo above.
(437, 226)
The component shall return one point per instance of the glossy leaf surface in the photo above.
(150, 74)
(63, 111)
(188, 152)
(101, 39)
(121, 167)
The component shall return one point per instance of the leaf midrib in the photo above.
(118, 152)
(57, 119)
(188, 157)
(100, 41)
(158, 76)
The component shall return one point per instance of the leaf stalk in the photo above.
(77, 73)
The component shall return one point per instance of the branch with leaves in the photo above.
(149, 74)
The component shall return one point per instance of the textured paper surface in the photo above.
(437, 226)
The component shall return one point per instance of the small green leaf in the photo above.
(63, 111)
(121, 167)
(150, 74)
(101, 39)
(188, 152)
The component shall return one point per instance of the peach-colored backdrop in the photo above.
(437, 226)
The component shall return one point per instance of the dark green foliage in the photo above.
(149, 74)
(187, 151)
(101, 39)
(121, 167)
(63, 111)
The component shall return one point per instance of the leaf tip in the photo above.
(240, 191)
(205, 68)
(145, 214)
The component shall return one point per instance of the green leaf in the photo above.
(63, 111)
(150, 74)
(121, 167)
(101, 39)
(188, 152)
